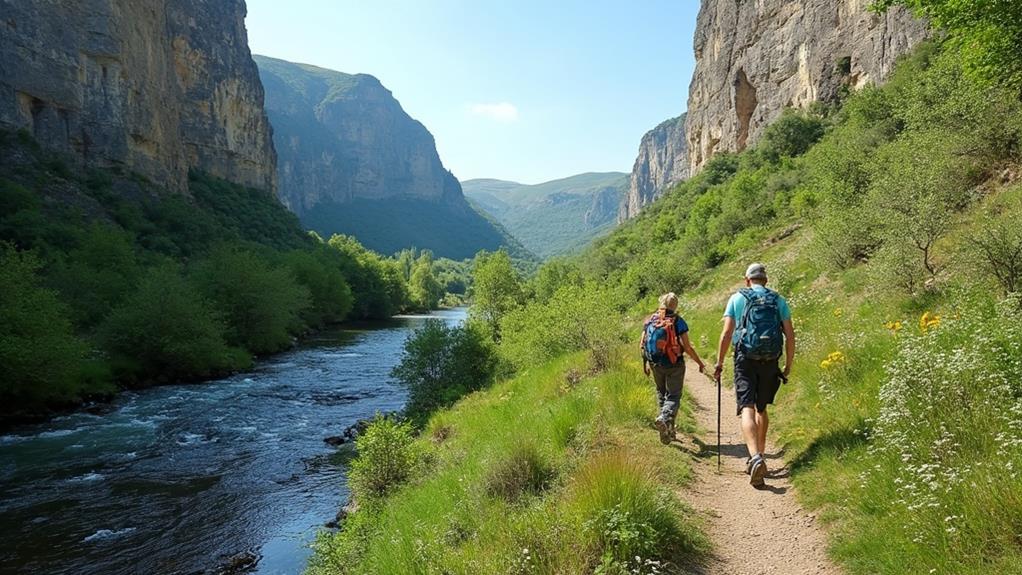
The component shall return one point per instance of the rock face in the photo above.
(155, 86)
(341, 137)
(662, 161)
(754, 58)
(353, 162)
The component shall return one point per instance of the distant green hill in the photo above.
(556, 217)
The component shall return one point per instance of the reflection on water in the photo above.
(172, 479)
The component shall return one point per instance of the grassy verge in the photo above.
(552, 471)
(901, 421)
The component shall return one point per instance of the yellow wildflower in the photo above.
(894, 325)
(929, 321)
(825, 364)
(838, 312)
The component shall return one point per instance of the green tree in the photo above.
(332, 299)
(442, 363)
(378, 284)
(496, 289)
(919, 183)
(261, 304)
(166, 330)
(552, 276)
(41, 357)
(424, 289)
(988, 33)
(98, 274)
(790, 136)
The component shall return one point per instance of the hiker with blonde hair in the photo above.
(664, 337)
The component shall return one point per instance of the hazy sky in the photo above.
(524, 90)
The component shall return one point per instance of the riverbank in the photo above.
(176, 477)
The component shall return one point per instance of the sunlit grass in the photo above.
(548, 472)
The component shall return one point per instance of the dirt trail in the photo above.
(754, 531)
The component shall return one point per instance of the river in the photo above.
(174, 478)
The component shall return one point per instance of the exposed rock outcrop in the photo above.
(156, 86)
(341, 137)
(662, 161)
(353, 162)
(754, 58)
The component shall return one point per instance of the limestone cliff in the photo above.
(353, 162)
(155, 86)
(342, 137)
(754, 58)
(662, 161)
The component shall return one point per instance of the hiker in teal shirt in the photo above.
(757, 324)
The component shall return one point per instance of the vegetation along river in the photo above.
(175, 478)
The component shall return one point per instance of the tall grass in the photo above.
(543, 473)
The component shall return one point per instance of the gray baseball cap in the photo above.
(756, 271)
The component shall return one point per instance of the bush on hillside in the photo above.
(166, 330)
(442, 363)
(261, 304)
(496, 290)
(331, 298)
(378, 284)
(388, 456)
(41, 357)
(996, 249)
(790, 136)
(95, 276)
(576, 318)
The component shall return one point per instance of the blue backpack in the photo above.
(759, 335)
(660, 343)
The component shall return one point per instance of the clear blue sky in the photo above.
(525, 90)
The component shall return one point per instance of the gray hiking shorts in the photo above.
(756, 383)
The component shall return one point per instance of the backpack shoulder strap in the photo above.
(747, 293)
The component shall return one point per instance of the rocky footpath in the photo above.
(158, 87)
(756, 58)
(662, 161)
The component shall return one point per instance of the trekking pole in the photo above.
(718, 384)
(718, 425)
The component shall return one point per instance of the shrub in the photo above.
(41, 357)
(520, 472)
(790, 136)
(98, 274)
(331, 298)
(441, 363)
(166, 330)
(576, 318)
(388, 456)
(262, 305)
(997, 249)
(496, 289)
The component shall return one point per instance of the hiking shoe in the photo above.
(666, 431)
(757, 472)
(748, 466)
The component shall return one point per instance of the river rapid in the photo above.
(176, 478)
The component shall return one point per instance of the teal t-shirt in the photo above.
(736, 305)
